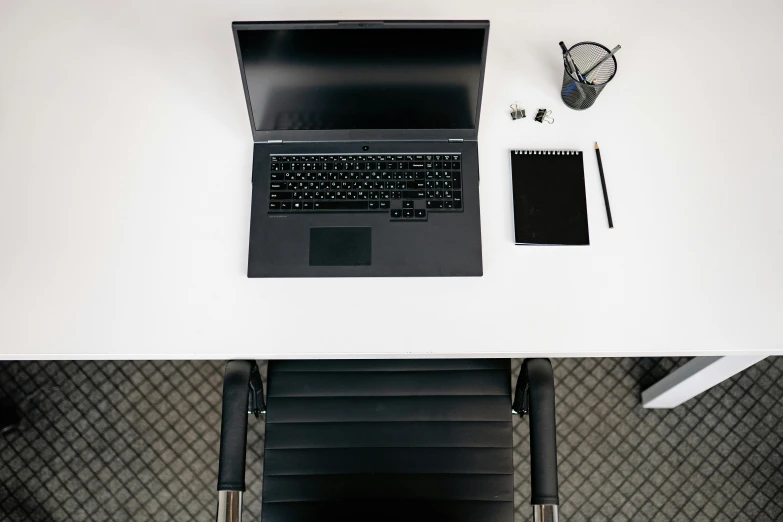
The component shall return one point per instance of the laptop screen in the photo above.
(383, 77)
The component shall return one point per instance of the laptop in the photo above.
(365, 157)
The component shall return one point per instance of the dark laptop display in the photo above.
(365, 162)
(363, 78)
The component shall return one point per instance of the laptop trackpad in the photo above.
(340, 246)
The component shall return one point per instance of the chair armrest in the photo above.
(535, 396)
(243, 393)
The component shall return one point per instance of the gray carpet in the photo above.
(137, 441)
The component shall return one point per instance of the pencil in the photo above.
(603, 185)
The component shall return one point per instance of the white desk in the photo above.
(125, 155)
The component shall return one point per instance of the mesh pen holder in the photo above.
(577, 94)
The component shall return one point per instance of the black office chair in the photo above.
(391, 440)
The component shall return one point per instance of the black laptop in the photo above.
(365, 160)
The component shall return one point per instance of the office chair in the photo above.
(388, 440)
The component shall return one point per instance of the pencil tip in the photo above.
(596, 144)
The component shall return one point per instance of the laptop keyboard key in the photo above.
(342, 205)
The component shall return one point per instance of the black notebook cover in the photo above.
(550, 207)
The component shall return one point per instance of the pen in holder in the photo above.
(596, 66)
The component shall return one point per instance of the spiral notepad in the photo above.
(549, 202)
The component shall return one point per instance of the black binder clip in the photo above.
(543, 115)
(517, 113)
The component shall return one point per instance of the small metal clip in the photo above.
(543, 115)
(517, 113)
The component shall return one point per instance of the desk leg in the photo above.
(698, 375)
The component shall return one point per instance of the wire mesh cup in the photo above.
(581, 95)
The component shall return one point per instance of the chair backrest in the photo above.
(397, 440)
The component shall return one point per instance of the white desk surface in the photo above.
(125, 158)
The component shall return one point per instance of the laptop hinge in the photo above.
(455, 140)
(273, 141)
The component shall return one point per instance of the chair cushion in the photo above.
(397, 440)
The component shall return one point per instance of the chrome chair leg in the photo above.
(229, 506)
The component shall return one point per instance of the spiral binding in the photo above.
(549, 152)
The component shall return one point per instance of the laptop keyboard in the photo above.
(405, 186)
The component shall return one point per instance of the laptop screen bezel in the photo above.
(362, 134)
